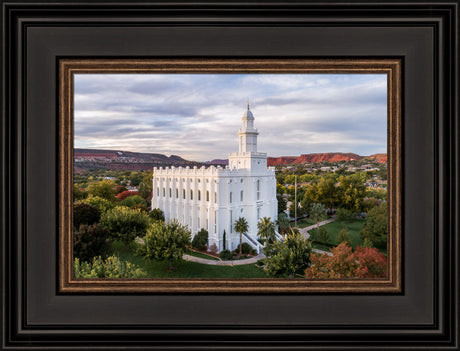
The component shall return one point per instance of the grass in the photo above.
(201, 255)
(186, 269)
(353, 227)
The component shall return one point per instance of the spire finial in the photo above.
(247, 102)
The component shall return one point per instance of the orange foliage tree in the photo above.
(344, 263)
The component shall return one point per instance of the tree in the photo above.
(289, 256)
(282, 203)
(125, 223)
(324, 192)
(101, 204)
(344, 237)
(344, 215)
(78, 194)
(134, 200)
(266, 230)
(323, 236)
(200, 240)
(166, 241)
(104, 189)
(344, 263)
(90, 241)
(125, 194)
(283, 222)
(318, 214)
(352, 191)
(85, 214)
(375, 227)
(135, 178)
(241, 226)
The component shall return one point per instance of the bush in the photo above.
(90, 241)
(323, 236)
(78, 194)
(125, 194)
(226, 255)
(343, 215)
(200, 240)
(101, 204)
(104, 189)
(111, 267)
(85, 214)
(213, 249)
(133, 200)
(125, 223)
(157, 215)
(118, 246)
(247, 249)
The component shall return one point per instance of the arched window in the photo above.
(199, 195)
(191, 194)
(164, 192)
(177, 193)
(158, 191)
(207, 195)
(183, 193)
(258, 189)
(215, 196)
(231, 197)
(170, 192)
(241, 195)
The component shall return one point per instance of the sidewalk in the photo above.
(223, 263)
(304, 231)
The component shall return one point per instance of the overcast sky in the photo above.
(197, 116)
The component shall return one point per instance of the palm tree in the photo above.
(266, 230)
(317, 213)
(241, 226)
(282, 222)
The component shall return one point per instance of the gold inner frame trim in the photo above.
(68, 67)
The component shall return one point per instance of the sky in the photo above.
(197, 116)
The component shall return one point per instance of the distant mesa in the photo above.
(323, 157)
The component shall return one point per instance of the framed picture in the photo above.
(209, 199)
(52, 50)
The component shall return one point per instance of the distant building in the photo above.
(214, 198)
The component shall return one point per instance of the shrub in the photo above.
(78, 194)
(90, 241)
(112, 267)
(141, 207)
(119, 189)
(213, 249)
(200, 240)
(344, 237)
(118, 246)
(157, 215)
(125, 223)
(343, 215)
(125, 194)
(246, 249)
(226, 255)
(85, 214)
(101, 204)
(323, 236)
(133, 200)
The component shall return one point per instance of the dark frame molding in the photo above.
(424, 35)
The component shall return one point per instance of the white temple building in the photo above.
(213, 198)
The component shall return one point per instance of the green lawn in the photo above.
(353, 227)
(201, 255)
(185, 269)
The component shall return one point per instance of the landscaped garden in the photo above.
(333, 229)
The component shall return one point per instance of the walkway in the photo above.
(223, 263)
(304, 231)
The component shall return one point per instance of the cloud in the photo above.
(197, 116)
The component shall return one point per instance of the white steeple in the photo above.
(248, 134)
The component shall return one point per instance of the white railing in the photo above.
(253, 242)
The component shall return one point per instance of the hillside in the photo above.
(323, 157)
(91, 159)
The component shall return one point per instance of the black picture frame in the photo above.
(36, 35)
